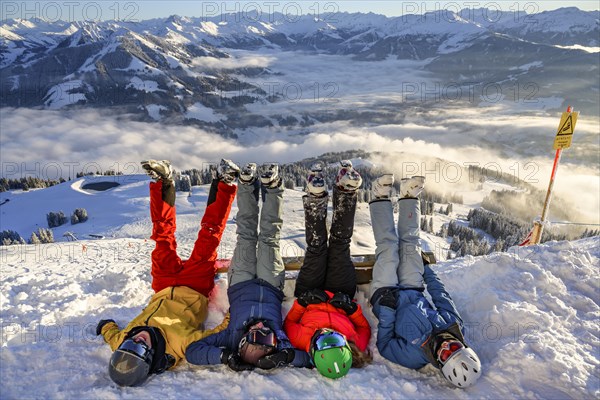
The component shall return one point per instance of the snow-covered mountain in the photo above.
(531, 313)
(213, 72)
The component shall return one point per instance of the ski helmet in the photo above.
(331, 353)
(130, 363)
(462, 368)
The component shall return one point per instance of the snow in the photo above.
(531, 313)
(60, 95)
(566, 19)
(210, 28)
(173, 62)
(26, 211)
(154, 111)
(143, 85)
(90, 64)
(7, 35)
(457, 26)
(526, 67)
(587, 49)
(138, 65)
(202, 113)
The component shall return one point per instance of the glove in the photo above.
(313, 296)
(101, 325)
(234, 361)
(344, 302)
(389, 299)
(225, 353)
(278, 359)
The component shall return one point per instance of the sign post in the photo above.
(564, 137)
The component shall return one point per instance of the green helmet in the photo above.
(331, 354)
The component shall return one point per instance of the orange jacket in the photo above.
(301, 323)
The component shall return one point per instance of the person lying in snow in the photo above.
(254, 337)
(324, 320)
(411, 331)
(157, 339)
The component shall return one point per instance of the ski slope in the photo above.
(531, 314)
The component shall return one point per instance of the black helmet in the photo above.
(130, 363)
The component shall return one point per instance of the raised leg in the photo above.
(166, 264)
(243, 262)
(269, 266)
(313, 271)
(410, 271)
(341, 276)
(199, 271)
(387, 260)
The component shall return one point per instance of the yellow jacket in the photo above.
(178, 312)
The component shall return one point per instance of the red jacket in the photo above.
(301, 323)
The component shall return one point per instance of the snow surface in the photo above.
(587, 49)
(531, 314)
(202, 113)
(60, 95)
(143, 85)
(154, 111)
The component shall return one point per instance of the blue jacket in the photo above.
(249, 301)
(403, 332)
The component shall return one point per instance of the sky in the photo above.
(146, 9)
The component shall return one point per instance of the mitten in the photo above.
(234, 361)
(344, 302)
(101, 325)
(278, 359)
(313, 296)
(389, 298)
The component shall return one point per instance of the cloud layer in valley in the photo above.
(36, 142)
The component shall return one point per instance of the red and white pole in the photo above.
(538, 227)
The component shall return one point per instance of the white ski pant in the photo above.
(258, 255)
(398, 261)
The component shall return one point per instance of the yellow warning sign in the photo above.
(566, 128)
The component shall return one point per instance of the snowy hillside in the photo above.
(107, 209)
(531, 314)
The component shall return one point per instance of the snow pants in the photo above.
(398, 261)
(328, 267)
(257, 253)
(198, 272)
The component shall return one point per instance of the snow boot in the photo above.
(348, 179)
(316, 186)
(411, 188)
(158, 170)
(270, 178)
(382, 187)
(227, 171)
(248, 174)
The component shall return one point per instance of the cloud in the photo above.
(243, 61)
(32, 140)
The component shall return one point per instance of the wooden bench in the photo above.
(363, 265)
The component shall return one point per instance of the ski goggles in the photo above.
(260, 337)
(448, 348)
(329, 339)
(139, 349)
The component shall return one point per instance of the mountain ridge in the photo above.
(101, 64)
